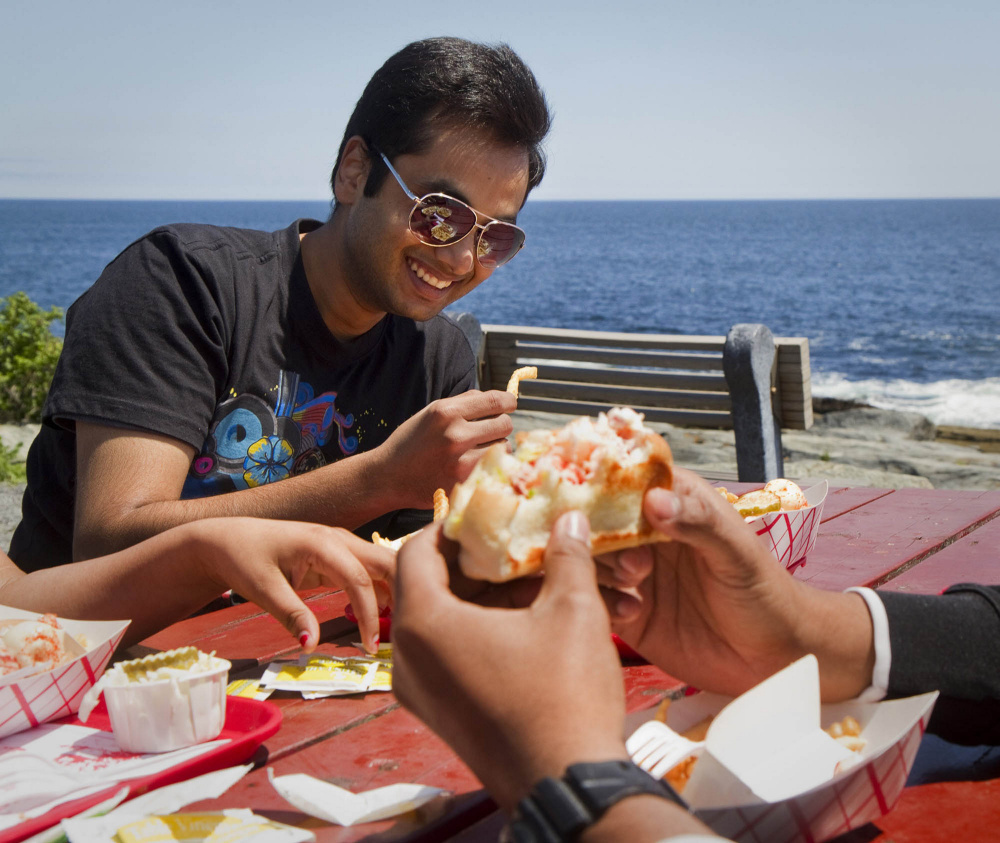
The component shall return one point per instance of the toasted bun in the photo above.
(503, 513)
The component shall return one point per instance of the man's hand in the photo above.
(718, 610)
(518, 693)
(438, 446)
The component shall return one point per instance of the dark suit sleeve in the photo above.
(949, 643)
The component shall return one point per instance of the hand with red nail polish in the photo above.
(175, 573)
(267, 562)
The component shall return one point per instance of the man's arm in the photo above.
(950, 642)
(129, 482)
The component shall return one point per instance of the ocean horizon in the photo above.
(899, 298)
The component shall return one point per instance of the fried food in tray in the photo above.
(780, 495)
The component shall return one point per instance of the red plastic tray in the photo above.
(248, 724)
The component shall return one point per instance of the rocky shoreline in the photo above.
(849, 444)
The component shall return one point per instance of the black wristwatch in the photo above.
(557, 810)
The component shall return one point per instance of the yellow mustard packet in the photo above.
(329, 675)
(248, 689)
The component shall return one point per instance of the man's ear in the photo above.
(352, 173)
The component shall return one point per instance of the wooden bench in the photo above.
(747, 381)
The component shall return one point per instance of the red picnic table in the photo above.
(916, 540)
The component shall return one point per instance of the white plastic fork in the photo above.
(657, 748)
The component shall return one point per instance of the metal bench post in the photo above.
(747, 361)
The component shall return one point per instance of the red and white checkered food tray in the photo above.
(26, 701)
(791, 535)
(766, 775)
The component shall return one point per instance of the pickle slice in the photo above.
(757, 503)
(182, 658)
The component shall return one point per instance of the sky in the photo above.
(702, 99)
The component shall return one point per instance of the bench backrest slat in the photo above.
(680, 418)
(615, 394)
(605, 355)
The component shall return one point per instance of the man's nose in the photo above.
(459, 257)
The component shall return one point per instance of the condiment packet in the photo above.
(228, 826)
(335, 805)
(329, 675)
(384, 651)
(248, 688)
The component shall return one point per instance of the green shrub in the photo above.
(11, 471)
(28, 355)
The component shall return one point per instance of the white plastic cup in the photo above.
(169, 713)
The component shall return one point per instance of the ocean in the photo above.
(900, 299)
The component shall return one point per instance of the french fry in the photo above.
(441, 505)
(395, 544)
(524, 373)
(440, 512)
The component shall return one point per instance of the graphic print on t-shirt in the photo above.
(250, 443)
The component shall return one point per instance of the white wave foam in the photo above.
(967, 403)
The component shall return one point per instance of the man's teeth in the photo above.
(433, 280)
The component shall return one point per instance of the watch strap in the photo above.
(558, 810)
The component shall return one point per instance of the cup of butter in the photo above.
(164, 701)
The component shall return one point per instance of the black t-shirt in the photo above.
(211, 336)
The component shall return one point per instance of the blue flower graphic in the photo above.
(267, 460)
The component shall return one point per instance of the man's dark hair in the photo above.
(482, 87)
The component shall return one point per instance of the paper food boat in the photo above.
(767, 773)
(27, 700)
(791, 535)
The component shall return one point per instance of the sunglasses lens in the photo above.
(499, 242)
(441, 220)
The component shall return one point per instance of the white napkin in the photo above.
(335, 805)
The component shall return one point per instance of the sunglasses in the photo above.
(441, 220)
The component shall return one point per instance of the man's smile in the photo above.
(425, 275)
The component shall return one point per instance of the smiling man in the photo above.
(206, 364)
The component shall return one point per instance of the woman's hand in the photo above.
(268, 561)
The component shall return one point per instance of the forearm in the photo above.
(155, 584)
(643, 818)
(347, 494)
(837, 628)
